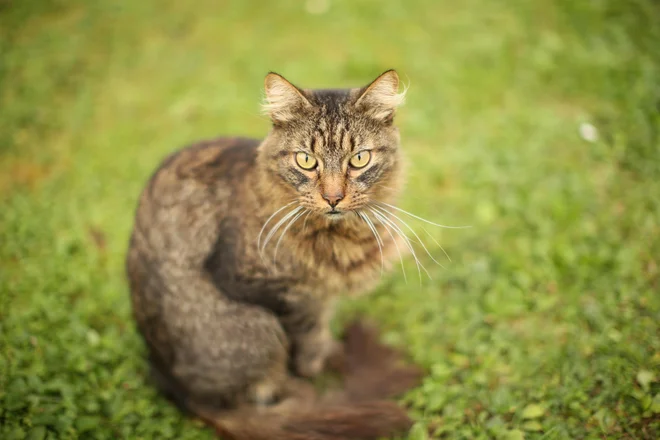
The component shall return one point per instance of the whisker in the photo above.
(396, 245)
(364, 218)
(414, 233)
(379, 240)
(408, 242)
(279, 240)
(305, 221)
(268, 221)
(422, 219)
(438, 244)
(403, 235)
(279, 225)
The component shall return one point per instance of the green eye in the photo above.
(305, 161)
(361, 159)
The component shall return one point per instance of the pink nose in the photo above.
(333, 200)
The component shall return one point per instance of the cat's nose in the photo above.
(333, 200)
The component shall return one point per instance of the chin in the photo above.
(335, 216)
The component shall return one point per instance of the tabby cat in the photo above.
(240, 248)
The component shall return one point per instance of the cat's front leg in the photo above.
(315, 350)
(313, 345)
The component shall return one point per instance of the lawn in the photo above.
(536, 123)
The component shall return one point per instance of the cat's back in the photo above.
(207, 162)
(192, 185)
(211, 168)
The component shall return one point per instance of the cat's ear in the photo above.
(283, 100)
(381, 98)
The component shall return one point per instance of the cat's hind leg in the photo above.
(234, 357)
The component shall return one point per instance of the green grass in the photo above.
(545, 325)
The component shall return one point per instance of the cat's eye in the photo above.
(305, 161)
(360, 160)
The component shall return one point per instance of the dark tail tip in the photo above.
(375, 371)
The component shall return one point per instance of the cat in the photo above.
(240, 248)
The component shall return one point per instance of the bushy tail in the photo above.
(354, 421)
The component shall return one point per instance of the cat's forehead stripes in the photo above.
(332, 123)
(332, 140)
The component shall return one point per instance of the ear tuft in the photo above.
(381, 98)
(283, 100)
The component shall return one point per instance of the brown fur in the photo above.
(229, 324)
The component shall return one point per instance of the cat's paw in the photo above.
(328, 354)
(335, 362)
(309, 368)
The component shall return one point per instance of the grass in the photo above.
(546, 324)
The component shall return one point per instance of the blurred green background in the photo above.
(536, 122)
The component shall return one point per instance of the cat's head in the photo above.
(336, 151)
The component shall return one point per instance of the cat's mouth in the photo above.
(334, 214)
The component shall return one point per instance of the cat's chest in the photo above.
(335, 266)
